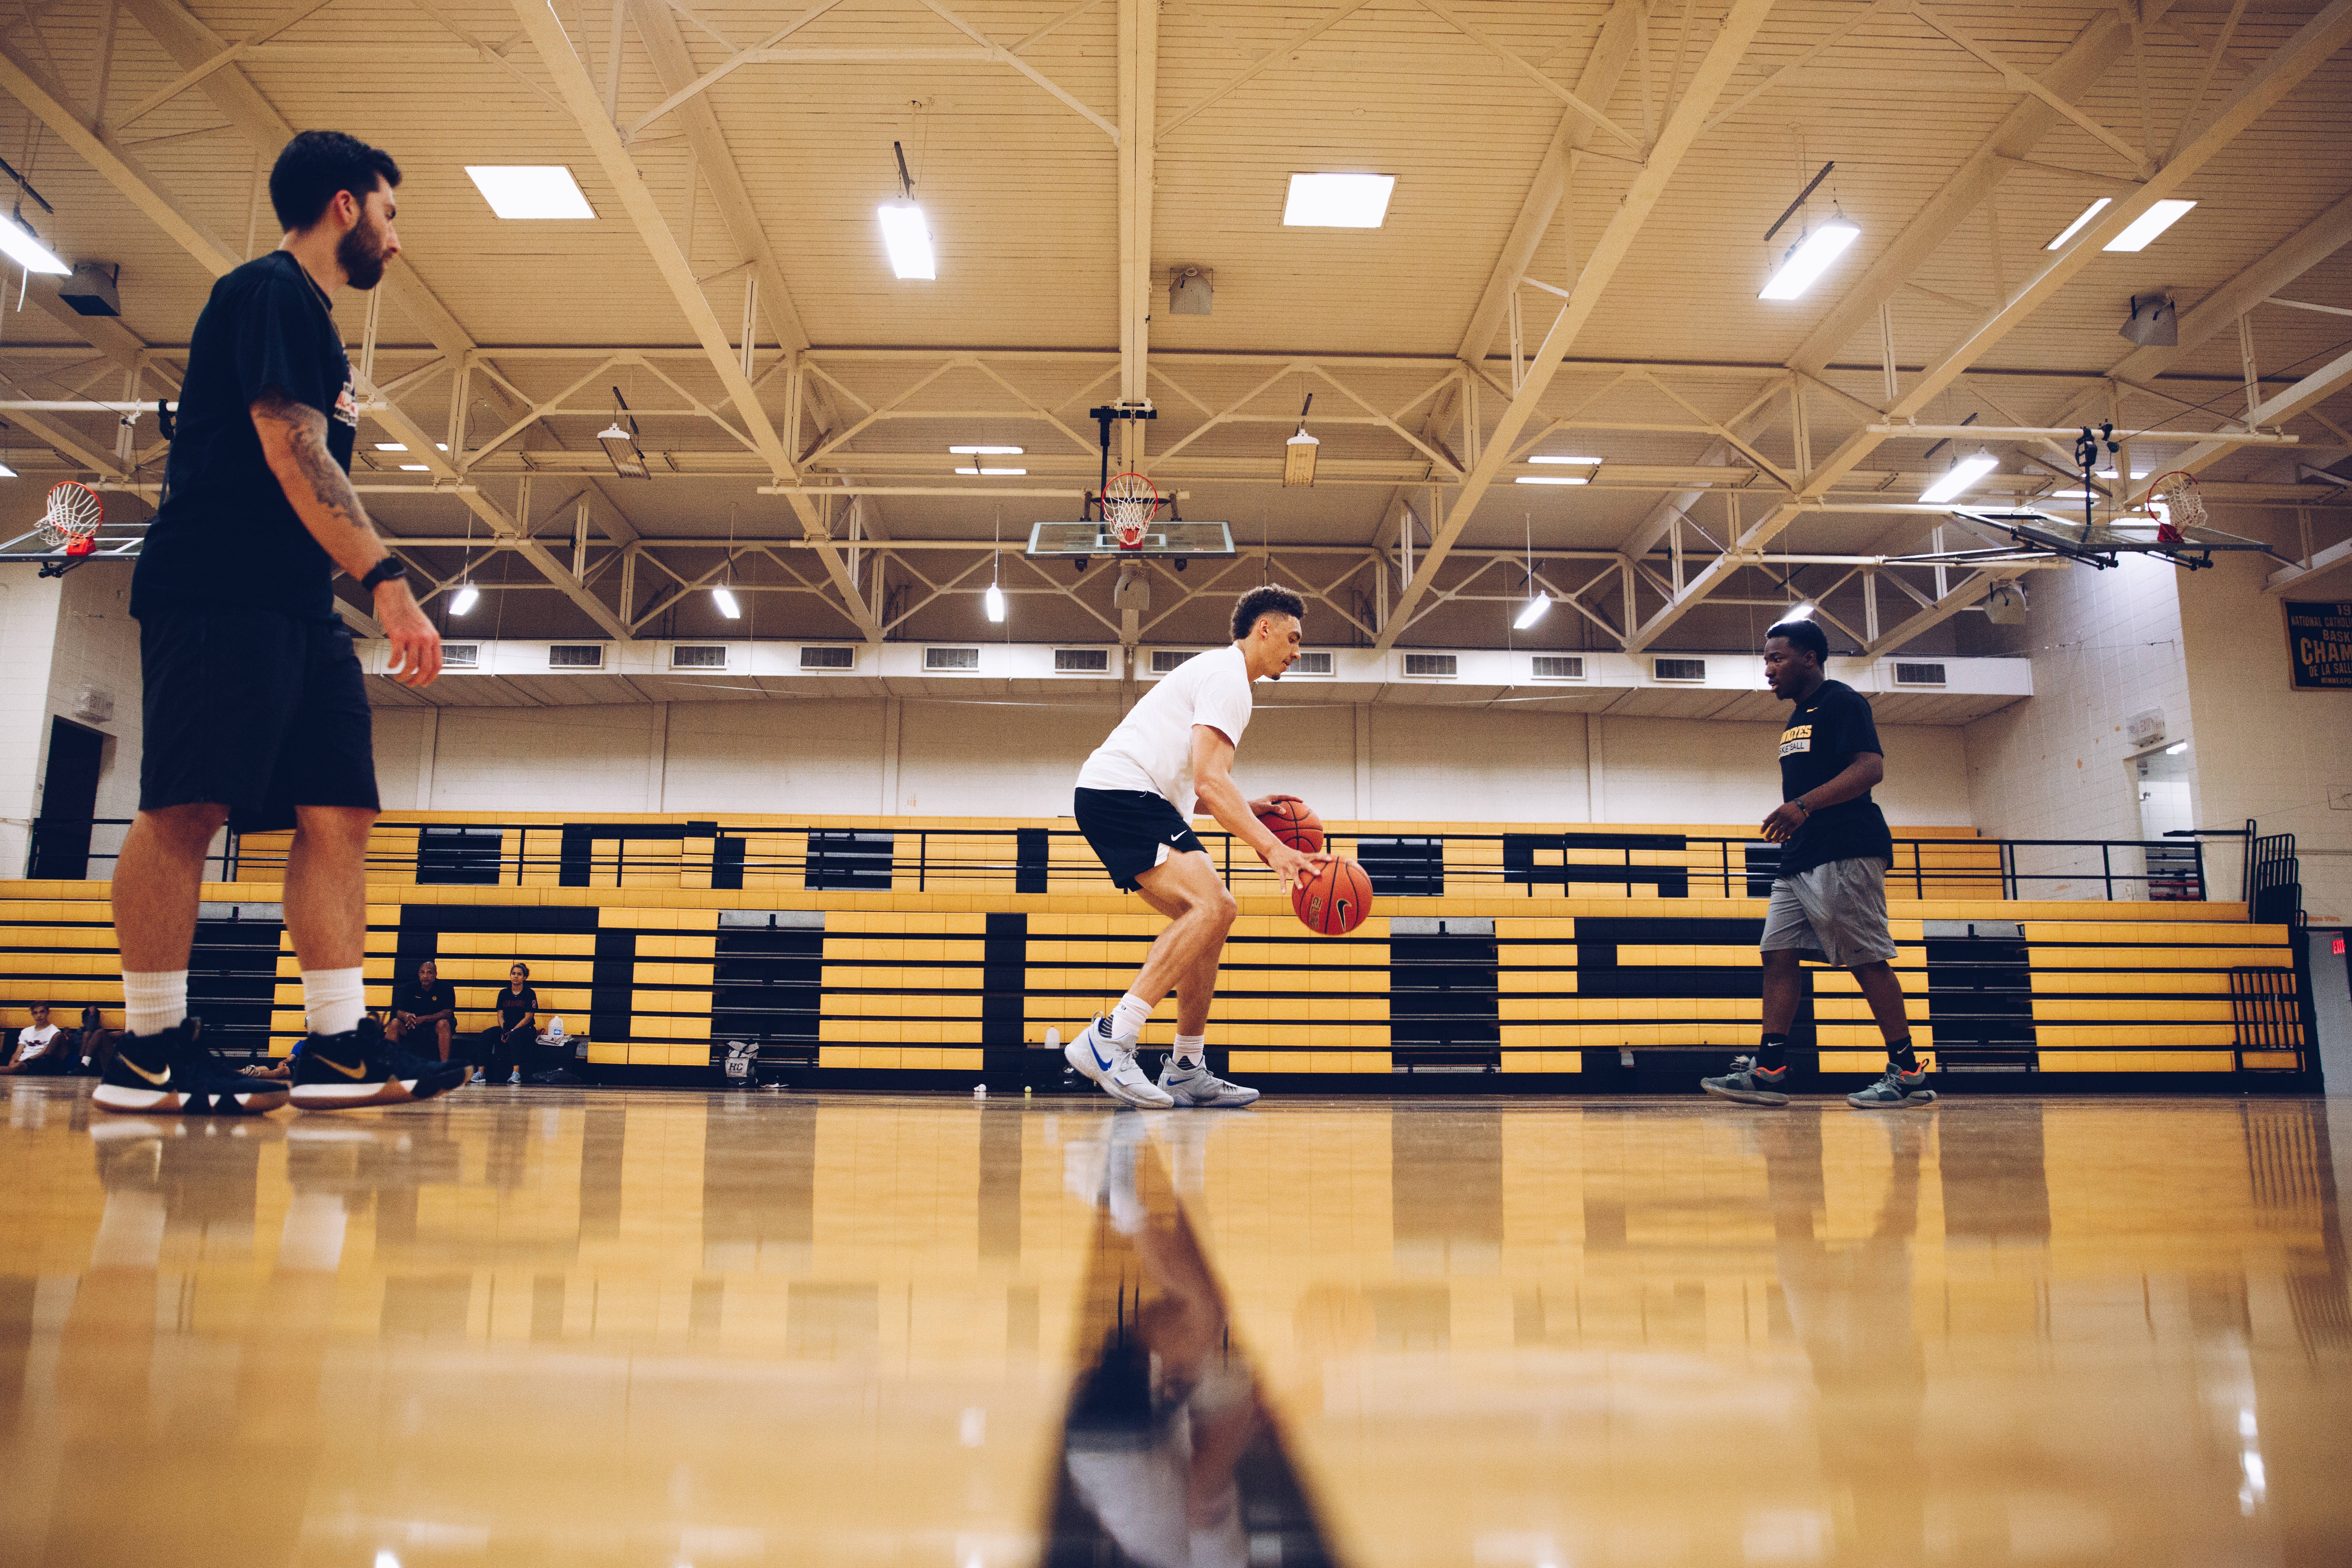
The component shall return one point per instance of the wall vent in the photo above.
(575, 656)
(1918, 675)
(1434, 666)
(951, 658)
(461, 656)
(1164, 659)
(1312, 664)
(1558, 667)
(828, 658)
(707, 657)
(1082, 661)
(1678, 669)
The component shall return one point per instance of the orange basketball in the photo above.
(1295, 823)
(1335, 900)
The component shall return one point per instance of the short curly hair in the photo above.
(1801, 632)
(1267, 601)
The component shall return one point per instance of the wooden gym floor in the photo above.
(663, 1329)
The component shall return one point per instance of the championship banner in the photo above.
(2319, 644)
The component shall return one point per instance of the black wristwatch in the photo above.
(391, 568)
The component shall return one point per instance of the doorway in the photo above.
(68, 800)
(2160, 781)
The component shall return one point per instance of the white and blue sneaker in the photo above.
(1112, 1065)
(1198, 1086)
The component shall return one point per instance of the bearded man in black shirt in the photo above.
(1829, 900)
(255, 708)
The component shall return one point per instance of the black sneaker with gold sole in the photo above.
(360, 1067)
(176, 1073)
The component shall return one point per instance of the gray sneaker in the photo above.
(1749, 1084)
(1199, 1085)
(1895, 1090)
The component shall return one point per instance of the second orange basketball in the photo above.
(1295, 823)
(1335, 900)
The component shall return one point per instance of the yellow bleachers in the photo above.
(901, 979)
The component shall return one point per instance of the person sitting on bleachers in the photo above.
(96, 1047)
(427, 1005)
(41, 1048)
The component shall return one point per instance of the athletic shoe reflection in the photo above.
(1169, 1457)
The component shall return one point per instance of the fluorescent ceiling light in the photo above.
(2110, 473)
(1809, 258)
(1959, 477)
(25, 250)
(985, 451)
(908, 239)
(529, 190)
(725, 599)
(2072, 229)
(2071, 495)
(1551, 479)
(464, 599)
(1802, 610)
(2175, 749)
(2148, 225)
(7, 472)
(1534, 611)
(391, 445)
(1580, 462)
(995, 601)
(1338, 201)
(416, 468)
(1015, 471)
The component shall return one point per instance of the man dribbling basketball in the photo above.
(1134, 801)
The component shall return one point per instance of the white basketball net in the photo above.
(2183, 507)
(1129, 501)
(73, 514)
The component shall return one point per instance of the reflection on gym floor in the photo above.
(666, 1328)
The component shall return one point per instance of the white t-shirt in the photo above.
(36, 1041)
(1152, 750)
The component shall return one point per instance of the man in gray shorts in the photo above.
(1830, 900)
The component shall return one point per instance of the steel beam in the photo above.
(1608, 251)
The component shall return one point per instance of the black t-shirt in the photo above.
(514, 1006)
(1819, 744)
(425, 1000)
(226, 534)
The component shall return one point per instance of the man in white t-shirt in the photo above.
(39, 1048)
(1136, 797)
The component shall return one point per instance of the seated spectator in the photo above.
(98, 1042)
(41, 1048)
(507, 1043)
(425, 1007)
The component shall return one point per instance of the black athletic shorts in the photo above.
(256, 710)
(1133, 830)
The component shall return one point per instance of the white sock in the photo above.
(154, 1001)
(1188, 1048)
(1126, 1019)
(336, 999)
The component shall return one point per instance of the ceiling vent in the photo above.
(1918, 675)
(707, 656)
(1678, 669)
(575, 656)
(1312, 664)
(828, 658)
(1431, 665)
(1082, 661)
(951, 658)
(1164, 659)
(1558, 667)
(461, 656)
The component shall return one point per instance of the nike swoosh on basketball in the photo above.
(158, 1079)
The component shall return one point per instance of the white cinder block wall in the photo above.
(952, 759)
(2104, 646)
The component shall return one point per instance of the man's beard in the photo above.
(361, 255)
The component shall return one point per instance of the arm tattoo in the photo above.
(307, 440)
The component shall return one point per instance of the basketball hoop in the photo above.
(2183, 506)
(72, 518)
(1129, 502)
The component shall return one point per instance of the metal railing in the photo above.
(1588, 863)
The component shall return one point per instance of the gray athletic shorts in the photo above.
(1835, 913)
